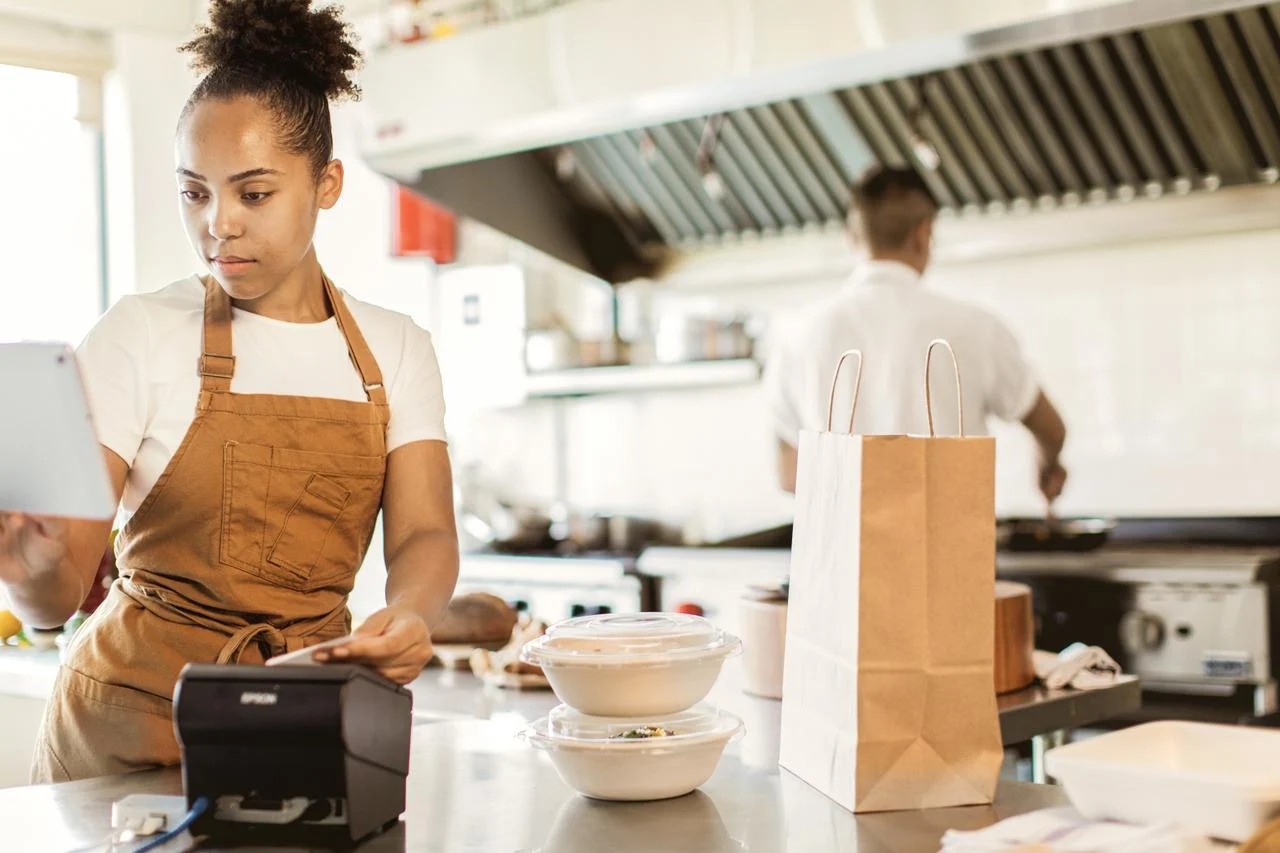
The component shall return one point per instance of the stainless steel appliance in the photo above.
(553, 588)
(1193, 619)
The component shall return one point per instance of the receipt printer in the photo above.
(293, 753)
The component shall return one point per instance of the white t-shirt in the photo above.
(139, 367)
(887, 313)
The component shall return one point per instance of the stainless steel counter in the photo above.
(474, 786)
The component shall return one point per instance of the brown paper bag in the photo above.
(888, 699)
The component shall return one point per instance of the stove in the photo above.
(552, 588)
(1188, 619)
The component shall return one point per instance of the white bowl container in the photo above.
(591, 758)
(632, 665)
(1222, 781)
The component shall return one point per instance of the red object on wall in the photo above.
(422, 229)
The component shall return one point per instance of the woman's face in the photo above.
(249, 205)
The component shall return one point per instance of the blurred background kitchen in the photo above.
(606, 210)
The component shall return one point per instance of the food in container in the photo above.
(639, 758)
(631, 665)
(1222, 781)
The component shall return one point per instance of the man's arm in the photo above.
(786, 466)
(1050, 433)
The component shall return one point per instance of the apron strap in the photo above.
(276, 642)
(357, 347)
(217, 363)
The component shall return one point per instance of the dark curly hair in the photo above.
(293, 58)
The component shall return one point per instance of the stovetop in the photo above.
(1153, 562)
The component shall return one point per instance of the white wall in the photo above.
(1162, 355)
(143, 96)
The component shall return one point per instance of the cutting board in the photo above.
(1015, 637)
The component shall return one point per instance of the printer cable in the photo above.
(198, 808)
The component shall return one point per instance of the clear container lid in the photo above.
(566, 727)
(623, 638)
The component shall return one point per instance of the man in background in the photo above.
(886, 312)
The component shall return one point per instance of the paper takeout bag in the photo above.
(888, 687)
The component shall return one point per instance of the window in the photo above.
(51, 270)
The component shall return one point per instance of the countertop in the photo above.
(459, 695)
(474, 786)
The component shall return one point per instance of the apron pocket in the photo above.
(307, 527)
(299, 519)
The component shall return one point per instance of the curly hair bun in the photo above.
(279, 39)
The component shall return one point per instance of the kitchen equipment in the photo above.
(764, 637)
(1053, 534)
(1192, 620)
(1222, 781)
(554, 588)
(619, 665)
(623, 759)
(1015, 637)
(551, 349)
(683, 338)
(619, 534)
(293, 753)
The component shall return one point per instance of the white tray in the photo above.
(1222, 781)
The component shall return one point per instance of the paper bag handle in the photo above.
(835, 382)
(928, 394)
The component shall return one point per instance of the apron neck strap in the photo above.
(218, 362)
(357, 347)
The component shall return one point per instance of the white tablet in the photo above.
(50, 460)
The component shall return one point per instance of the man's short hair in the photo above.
(888, 204)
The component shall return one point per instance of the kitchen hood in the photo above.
(614, 133)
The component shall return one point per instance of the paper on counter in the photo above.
(1065, 830)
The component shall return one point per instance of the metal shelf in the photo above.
(587, 381)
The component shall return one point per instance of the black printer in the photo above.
(293, 753)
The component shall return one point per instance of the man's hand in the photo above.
(1053, 477)
(30, 546)
(394, 641)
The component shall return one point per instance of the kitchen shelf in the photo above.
(587, 381)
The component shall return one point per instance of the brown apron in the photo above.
(246, 547)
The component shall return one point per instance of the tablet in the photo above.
(50, 459)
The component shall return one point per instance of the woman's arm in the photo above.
(47, 565)
(421, 545)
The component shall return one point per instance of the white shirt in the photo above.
(887, 313)
(139, 368)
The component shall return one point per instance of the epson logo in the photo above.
(250, 697)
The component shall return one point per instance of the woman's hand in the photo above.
(394, 641)
(30, 546)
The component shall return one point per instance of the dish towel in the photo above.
(1064, 830)
(1079, 666)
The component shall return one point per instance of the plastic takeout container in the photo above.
(1217, 780)
(602, 758)
(632, 665)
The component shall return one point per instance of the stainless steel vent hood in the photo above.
(1100, 103)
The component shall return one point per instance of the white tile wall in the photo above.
(1164, 358)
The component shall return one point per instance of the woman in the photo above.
(254, 421)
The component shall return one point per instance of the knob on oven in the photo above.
(1142, 632)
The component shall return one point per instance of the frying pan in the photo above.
(1053, 534)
